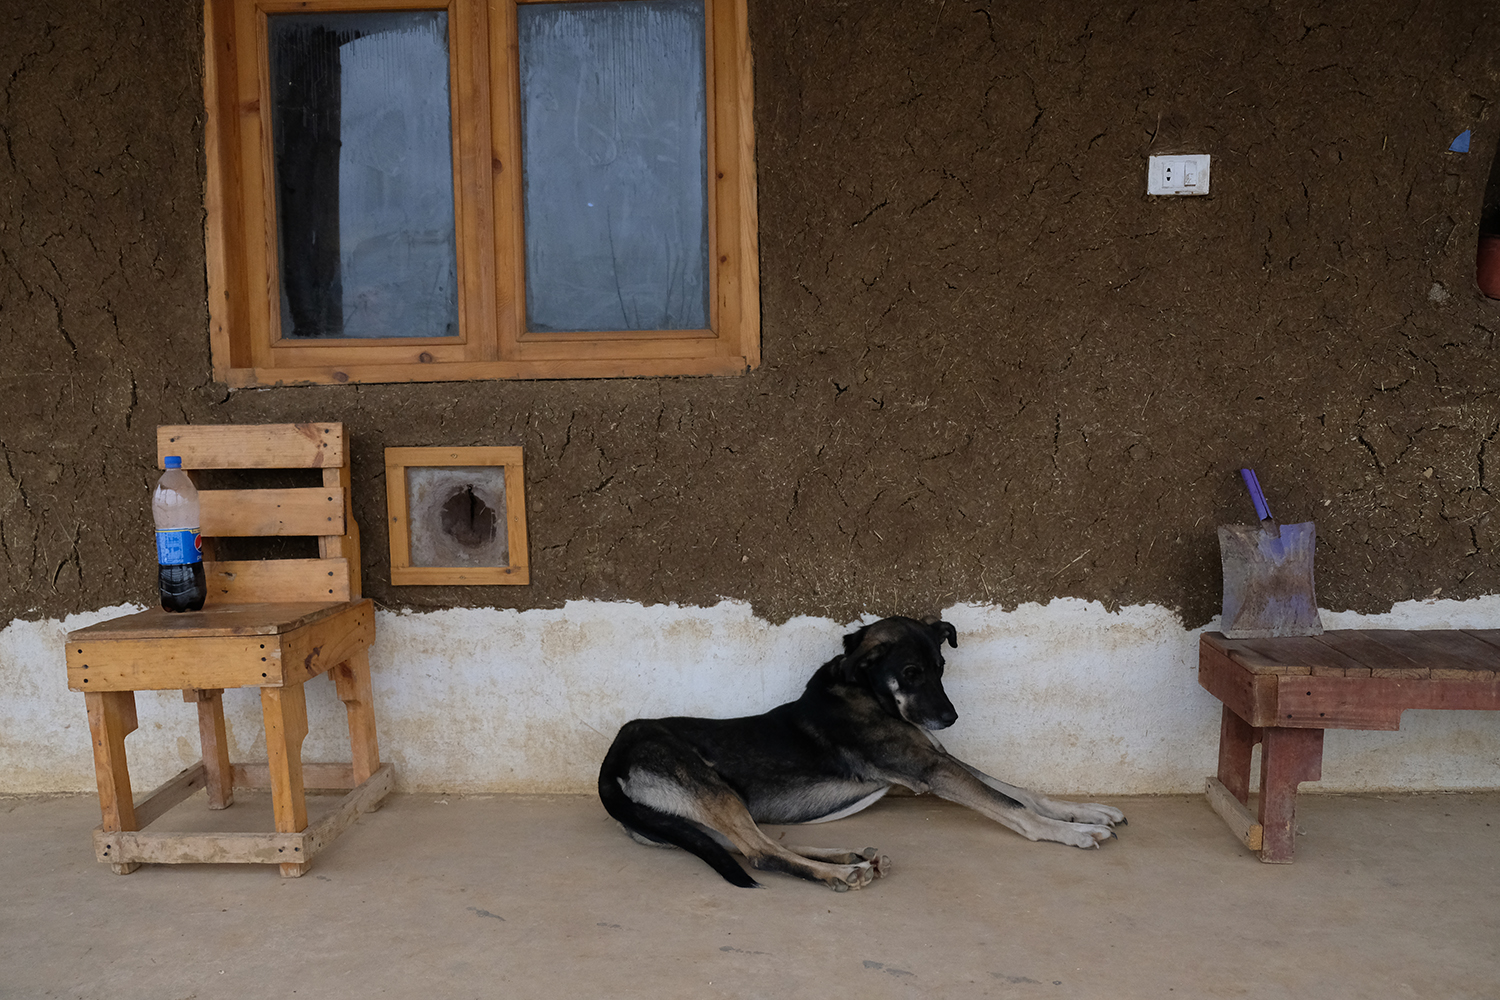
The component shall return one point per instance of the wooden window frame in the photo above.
(493, 342)
(398, 519)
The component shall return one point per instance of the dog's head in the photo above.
(900, 661)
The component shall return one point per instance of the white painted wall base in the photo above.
(1066, 698)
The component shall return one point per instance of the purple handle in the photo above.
(1262, 510)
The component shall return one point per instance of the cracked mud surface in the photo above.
(994, 371)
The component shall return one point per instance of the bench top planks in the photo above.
(1451, 654)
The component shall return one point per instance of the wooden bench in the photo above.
(1284, 692)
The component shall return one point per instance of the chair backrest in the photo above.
(324, 512)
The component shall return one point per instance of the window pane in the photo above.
(614, 154)
(364, 174)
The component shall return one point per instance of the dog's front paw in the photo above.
(1094, 813)
(1087, 834)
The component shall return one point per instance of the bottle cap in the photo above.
(173, 461)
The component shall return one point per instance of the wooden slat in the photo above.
(344, 545)
(1249, 695)
(1369, 651)
(352, 681)
(468, 576)
(284, 710)
(112, 717)
(1446, 653)
(173, 664)
(1236, 816)
(223, 228)
(213, 736)
(737, 232)
(169, 793)
(1259, 663)
(315, 777)
(253, 446)
(317, 648)
(245, 848)
(179, 656)
(244, 513)
(198, 848)
(364, 798)
(278, 581)
(1489, 636)
(1288, 655)
(217, 620)
(1374, 702)
(472, 371)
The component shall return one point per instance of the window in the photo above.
(407, 191)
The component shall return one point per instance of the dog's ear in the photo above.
(859, 649)
(942, 630)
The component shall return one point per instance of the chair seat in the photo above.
(222, 646)
(215, 619)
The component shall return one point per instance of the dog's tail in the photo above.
(665, 828)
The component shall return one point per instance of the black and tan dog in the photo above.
(861, 727)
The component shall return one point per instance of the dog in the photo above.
(862, 726)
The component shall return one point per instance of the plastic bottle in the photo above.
(179, 548)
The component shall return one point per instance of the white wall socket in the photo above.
(1177, 173)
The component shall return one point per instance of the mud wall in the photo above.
(994, 372)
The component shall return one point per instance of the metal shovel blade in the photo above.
(1268, 581)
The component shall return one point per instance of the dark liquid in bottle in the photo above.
(183, 588)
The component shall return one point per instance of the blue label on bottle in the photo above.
(179, 547)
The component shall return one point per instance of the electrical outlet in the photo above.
(1177, 173)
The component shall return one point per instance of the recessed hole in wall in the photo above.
(468, 519)
(457, 515)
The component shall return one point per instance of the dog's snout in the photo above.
(945, 716)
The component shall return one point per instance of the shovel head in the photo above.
(1268, 581)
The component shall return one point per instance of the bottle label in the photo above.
(179, 547)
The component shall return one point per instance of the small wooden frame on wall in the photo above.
(456, 516)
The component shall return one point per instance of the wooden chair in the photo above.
(270, 624)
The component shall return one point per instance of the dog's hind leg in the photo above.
(839, 869)
(846, 856)
(834, 855)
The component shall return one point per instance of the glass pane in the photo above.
(614, 154)
(363, 160)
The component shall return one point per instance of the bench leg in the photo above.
(111, 719)
(352, 679)
(1287, 758)
(1237, 738)
(285, 713)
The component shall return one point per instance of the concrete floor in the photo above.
(543, 896)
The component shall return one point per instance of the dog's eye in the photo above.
(912, 672)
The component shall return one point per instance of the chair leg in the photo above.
(1287, 758)
(111, 719)
(285, 712)
(215, 740)
(352, 678)
(1237, 738)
